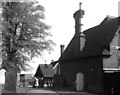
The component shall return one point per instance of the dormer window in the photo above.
(119, 32)
(107, 47)
(106, 51)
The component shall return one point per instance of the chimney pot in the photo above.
(78, 15)
(79, 41)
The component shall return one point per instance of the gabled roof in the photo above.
(96, 38)
(107, 19)
(53, 63)
(44, 70)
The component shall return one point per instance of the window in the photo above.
(107, 47)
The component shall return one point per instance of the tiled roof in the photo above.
(96, 38)
(53, 63)
(44, 70)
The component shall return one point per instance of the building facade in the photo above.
(91, 53)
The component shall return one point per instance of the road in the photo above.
(41, 92)
(49, 92)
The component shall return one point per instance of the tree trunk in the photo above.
(10, 80)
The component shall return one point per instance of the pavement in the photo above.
(18, 90)
(1, 88)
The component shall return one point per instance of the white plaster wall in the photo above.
(112, 61)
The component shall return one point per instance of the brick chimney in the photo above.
(79, 36)
(61, 52)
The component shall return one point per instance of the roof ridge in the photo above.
(107, 19)
(111, 16)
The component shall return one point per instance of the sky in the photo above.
(59, 15)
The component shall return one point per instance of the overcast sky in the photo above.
(59, 15)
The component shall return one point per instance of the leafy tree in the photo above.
(24, 36)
